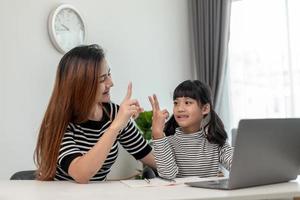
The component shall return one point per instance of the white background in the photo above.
(146, 42)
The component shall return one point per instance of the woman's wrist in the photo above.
(114, 129)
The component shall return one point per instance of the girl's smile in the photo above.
(188, 113)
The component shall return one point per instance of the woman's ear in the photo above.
(206, 109)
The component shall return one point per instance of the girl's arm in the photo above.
(165, 159)
(225, 155)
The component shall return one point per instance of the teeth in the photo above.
(184, 116)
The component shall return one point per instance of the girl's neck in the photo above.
(188, 130)
(97, 113)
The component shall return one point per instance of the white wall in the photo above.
(146, 42)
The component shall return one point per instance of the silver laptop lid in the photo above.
(266, 151)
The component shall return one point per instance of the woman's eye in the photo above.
(102, 79)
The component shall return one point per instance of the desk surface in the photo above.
(56, 190)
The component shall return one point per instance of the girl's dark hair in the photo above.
(200, 92)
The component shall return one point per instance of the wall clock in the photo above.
(66, 28)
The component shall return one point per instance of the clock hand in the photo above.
(65, 27)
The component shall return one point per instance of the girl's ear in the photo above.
(205, 109)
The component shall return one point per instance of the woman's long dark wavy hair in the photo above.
(201, 92)
(72, 99)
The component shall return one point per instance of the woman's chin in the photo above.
(105, 99)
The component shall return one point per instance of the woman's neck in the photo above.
(97, 113)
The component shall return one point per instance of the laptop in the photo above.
(266, 151)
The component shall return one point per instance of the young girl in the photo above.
(79, 135)
(193, 141)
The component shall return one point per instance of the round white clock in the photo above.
(66, 28)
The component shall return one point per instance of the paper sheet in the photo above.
(162, 182)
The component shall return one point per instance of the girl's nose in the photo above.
(180, 107)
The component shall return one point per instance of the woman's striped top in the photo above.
(80, 138)
(182, 155)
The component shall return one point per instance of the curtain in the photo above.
(210, 25)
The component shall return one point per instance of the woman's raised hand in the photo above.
(158, 119)
(128, 108)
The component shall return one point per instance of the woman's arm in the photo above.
(83, 168)
(149, 160)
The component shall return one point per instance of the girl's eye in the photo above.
(175, 103)
(188, 102)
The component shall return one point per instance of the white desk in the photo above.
(61, 190)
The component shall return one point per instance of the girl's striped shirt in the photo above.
(182, 154)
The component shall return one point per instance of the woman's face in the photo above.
(105, 83)
(188, 114)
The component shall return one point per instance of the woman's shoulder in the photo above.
(111, 109)
(111, 106)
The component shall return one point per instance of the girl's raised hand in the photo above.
(158, 119)
(128, 108)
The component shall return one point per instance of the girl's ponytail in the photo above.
(216, 131)
(170, 126)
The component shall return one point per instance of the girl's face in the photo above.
(105, 83)
(189, 113)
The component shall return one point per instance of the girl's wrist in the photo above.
(157, 135)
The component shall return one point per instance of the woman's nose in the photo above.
(109, 82)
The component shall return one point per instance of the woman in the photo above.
(81, 128)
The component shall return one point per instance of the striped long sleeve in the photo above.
(225, 155)
(165, 158)
(182, 155)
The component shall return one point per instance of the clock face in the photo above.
(67, 29)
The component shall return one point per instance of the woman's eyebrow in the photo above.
(103, 75)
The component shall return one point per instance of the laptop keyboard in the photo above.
(223, 182)
(215, 184)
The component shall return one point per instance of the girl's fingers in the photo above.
(156, 104)
(165, 113)
(151, 102)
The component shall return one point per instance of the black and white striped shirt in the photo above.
(182, 155)
(80, 138)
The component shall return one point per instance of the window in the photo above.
(264, 59)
